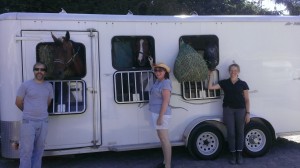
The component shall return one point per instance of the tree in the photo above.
(138, 7)
(293, 6)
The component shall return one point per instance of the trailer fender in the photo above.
(215, 121)
(204, 138)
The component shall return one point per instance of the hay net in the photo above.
(190, 64)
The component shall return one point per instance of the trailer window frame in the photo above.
(45, 54)
(69, 97)
(123, 52)
(133, 86)
(198, 90)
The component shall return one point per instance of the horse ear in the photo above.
(53, 37)
(57, 41)
(67, 36)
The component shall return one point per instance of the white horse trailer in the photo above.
(106, 108)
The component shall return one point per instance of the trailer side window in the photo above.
(69, 97)
(133, 77)
(132, 86)
(198, 89)
(62, 66)
(132, 52)
(65, 70)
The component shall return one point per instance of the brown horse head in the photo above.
(65, 57)
(143, 52)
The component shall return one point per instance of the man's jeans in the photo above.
(32, 142)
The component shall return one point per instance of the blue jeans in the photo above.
(32, 142)
(234, 120)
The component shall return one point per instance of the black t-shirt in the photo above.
(233, 93)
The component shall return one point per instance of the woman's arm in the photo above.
(210, 85)
(247, 102)
(166, 99)
(150, 59)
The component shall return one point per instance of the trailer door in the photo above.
(74, 116)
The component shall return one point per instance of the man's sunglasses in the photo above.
(40, 69)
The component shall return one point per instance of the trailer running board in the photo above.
(141, 146)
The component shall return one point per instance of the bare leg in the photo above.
(163, 135)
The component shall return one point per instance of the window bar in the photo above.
(196, 89)
(148, 84)
(205, 87)
(122, 89)
(115, 87)
(190, 89)
(183, 89)
(128, 84)
(202, 90)
(53, 104)
(84, 98)
(69, 96)
(76, 97)
(186, 88)
(142, 83)
(208, 94)
(135, 84)
(61, 96)
(82, 94)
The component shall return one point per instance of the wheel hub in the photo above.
(253, 139)
(207, 143)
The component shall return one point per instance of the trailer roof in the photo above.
(146, 18)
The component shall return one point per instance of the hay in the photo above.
(190, 65)
(45, 54)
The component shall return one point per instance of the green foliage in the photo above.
(138, 7)
(293, 6)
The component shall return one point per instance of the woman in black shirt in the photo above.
(236, 106)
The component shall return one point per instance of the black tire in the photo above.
(258, 139)
(205, 142)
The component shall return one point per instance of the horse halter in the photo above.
(141, 54)
(69, 61)
(144, 53)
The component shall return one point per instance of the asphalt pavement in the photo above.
(283, 154)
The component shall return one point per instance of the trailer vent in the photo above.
(132, 86)
(69, 97)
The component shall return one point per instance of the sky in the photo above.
(270, 4)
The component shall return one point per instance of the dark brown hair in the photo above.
(40, 63)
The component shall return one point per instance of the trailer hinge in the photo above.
(91, 30)
(94, 142)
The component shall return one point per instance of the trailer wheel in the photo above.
(205, 142)
(258, 139)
